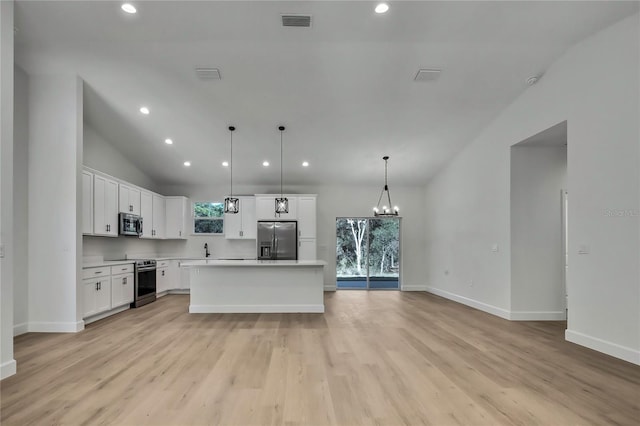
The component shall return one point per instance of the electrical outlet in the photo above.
(1, 251)
(471, 283)
(495, 248)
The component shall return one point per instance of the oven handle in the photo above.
(146, 269)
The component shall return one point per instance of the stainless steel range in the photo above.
(145, 283)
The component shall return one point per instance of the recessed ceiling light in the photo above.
(382, 8)
(265, 163)
(168, 141)
(144, 110)
(187, 163)
(305, 164)
(225, 163)
(129, 8)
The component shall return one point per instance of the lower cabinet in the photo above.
(162, 280)
(97, 295)
(185, 279)
(307, 249)
(121, 290)
(106, 288)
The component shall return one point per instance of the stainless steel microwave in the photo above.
(130, 224)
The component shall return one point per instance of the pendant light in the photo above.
(282, 203)
(385, 210)
(231, 205)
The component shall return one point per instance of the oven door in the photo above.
(146, 283)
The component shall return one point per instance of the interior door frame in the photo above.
(367, 218)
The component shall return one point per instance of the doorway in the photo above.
(368, 253)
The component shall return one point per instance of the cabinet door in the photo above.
(103, 295)
(87, 203)
(249, 226)
(161, 280)
(111, 207)
(134, 200)
(185, 278)
(146, 211)
(158, 214)
(307, 249)
(233, 223)
(90, 295)
(123, 199)
(307, 217)
(99, 221)
(121, 290)
(265, 208)
(176, 212)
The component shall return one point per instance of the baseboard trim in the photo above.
(618, 351)
(8, 369)
(179, 291)
(422, 287)
(21, 328)
(485, 307)
(103, 315)
(254, 309)
(55, 327)
(537, 316)
(329, 287)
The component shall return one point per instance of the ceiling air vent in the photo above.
(296, 21)
(427, 75)
(208, 73)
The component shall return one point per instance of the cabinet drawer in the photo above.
(96, 272)
(122, 269)
(162, 263)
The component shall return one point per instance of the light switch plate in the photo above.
(583, 249)
(1, 251)
(495, 248)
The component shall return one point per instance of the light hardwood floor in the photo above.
(373, 358)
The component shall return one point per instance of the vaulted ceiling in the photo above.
(344, 87)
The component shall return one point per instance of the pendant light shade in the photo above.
(231, 204)
(386, 210)
(282, 203)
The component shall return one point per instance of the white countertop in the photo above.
(261, 263)
(107, 263)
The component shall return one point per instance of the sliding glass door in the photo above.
(368, 253)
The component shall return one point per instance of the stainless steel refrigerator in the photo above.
(278, 240)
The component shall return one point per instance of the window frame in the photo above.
(194, 219)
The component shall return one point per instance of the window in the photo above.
(208, 218)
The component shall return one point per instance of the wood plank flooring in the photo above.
(384, 358)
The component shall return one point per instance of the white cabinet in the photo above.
(307, 249)
(177, 215)
(129, 199)
(242, 225)
(307, 216)
(158, 215)
(105, 206)
(266, 208)
(96, 296)
(121, 290)
(87, 202)
(185, 278)
(162, 280)
(146, 211)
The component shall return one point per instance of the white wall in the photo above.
(55, 159)
(538, 174)
(99, 154)
(595, 87)
(7, 363)
(332, 202)
(20, 201)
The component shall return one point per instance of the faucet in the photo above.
(206, 250)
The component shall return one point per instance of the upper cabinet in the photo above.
(129, 199)
(307, 216)
(242, 225)
(87, 202)
(177, 210)
(158, 216)
(266, 208)
(146, 211)
(105, 206)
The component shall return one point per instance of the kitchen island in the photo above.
(256, 286)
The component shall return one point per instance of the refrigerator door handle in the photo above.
(276, 252)
(273, 246)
